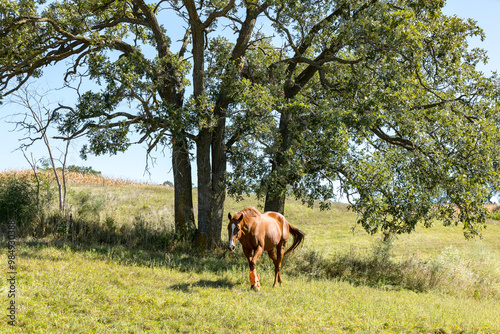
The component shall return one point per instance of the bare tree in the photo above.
(35, 120)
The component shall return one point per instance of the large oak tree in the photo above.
(124, 48)
(381, 99)
(381, 96)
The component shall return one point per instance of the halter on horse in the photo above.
(257, 233)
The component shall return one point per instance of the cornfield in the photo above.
(71, 177)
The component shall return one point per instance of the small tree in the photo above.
(36, 121)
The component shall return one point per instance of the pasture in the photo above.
(341, 281)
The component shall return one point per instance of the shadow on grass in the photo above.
(213, 284)
(140, 244)
(376, 269)
(181, 257)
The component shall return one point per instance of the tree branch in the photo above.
(65, 46)
(402, 142)
(161, 41)
(218, 13)
(117, 21)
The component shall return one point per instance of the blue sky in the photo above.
(131, 164)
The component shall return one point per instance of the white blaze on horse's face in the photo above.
(231, 238)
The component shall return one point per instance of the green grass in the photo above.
(341, 281)
(124, 203)
(62, 290)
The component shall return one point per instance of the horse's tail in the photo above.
(298, 237)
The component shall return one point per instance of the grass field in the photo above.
(341, 281)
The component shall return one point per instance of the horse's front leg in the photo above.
(252, 262)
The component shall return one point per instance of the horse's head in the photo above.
(234, 230)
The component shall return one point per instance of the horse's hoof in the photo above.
(255, 288)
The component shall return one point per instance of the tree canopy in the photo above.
(384, 99)
(379, 101)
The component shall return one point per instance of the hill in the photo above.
(341, 280)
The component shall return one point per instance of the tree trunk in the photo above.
(211, 185)
(54, 170)
(172, 93)
(276, 194)
(218, 145)
(208, 234)
(204, 238)
(210, 145)
(275, 202)
(219, 165)
(183, 202)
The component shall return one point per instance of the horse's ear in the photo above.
(229, 216)
(240, 219)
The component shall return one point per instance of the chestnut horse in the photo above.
(257, 233)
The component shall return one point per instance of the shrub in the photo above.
(88, 205)
(18, 203)
(495, 215)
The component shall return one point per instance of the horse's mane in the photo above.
(248, 214)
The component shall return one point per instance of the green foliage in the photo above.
(494, 215)
(383, 105)
(18, 203)
(106, 140)
(168, 184)
(83, 170)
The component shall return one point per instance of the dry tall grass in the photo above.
(466, 274)
(71, 177)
